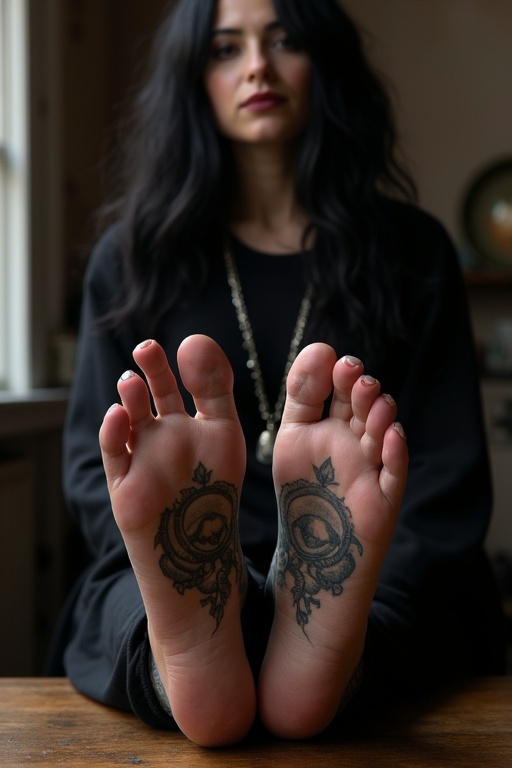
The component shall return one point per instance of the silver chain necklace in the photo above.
(265, 444)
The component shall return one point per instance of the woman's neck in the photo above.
(266, 215)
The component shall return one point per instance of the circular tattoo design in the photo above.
(316, 540)
(198, 535)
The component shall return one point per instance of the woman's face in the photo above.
(257, 82)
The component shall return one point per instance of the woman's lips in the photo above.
(262, 101)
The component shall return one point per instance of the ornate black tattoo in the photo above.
(316, 541)
(198, 535)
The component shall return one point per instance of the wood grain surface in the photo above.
(44, 721)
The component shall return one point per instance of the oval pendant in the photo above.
(265, 446)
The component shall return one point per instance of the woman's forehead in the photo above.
(237, 14)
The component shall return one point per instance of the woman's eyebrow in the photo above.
(270, 27)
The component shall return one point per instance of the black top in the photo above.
(436, 612)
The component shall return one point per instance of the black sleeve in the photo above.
(436, 612)
(105, 645)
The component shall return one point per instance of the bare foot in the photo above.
(339, 484)
(174, 483)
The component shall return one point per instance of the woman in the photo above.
(249, 572)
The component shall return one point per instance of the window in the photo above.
(15, 334)
(31, 290)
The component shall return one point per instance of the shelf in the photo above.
(488, 278)
(32, 412)
(495, 379)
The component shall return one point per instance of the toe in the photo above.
(113, 438)
(395, 457)
(346, 372)
(207, 375)
(152, 359)
(364, 393)
(309, 384)
(135, 396)
(380, 416)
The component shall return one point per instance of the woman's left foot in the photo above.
(339, 484)
(174, 484)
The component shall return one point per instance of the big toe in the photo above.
(207, 374)
(309, 384)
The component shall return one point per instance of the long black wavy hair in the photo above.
(179, 175)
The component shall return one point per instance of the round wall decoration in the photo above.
(487, 215)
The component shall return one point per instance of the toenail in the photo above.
(366, 379)
(398, 427)
(127, 375)
(389, 399)
(144, 344)
(352, 361)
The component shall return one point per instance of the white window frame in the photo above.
(31, 233)
(15, 336)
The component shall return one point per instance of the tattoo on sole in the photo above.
(199, 538)
(316, 541)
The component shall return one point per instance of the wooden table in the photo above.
(44, 721)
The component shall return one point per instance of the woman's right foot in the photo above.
(339, 483)
(174, 483)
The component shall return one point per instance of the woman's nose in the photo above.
(259, 67)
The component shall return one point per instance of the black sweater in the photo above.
(436, 612)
